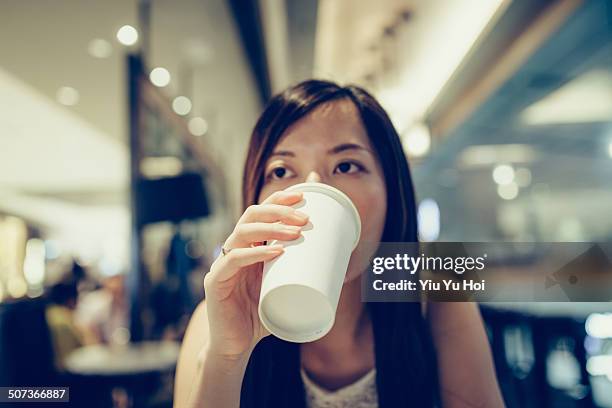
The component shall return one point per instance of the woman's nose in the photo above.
(313, 177)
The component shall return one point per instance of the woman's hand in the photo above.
(233, 284)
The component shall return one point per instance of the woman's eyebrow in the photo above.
(283, 153)
(348, 146)
(334, 150)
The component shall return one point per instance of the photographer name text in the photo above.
(429, 285)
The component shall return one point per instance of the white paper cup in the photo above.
(300, 288)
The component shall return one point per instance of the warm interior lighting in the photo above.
(599, 325)
(181, 105)
(429, 220)
(503, 174)
(159, 77)
(198, 126)
(127, 35)
(417, 140)
(67, 96)
(508, 191)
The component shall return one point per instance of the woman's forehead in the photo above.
(341, 107)
(331, 123)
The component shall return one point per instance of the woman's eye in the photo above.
(348, 168)
(279, 173)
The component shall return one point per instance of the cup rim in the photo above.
(294, 336)
(332, 192)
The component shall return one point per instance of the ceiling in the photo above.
(552, 117)
(402, 50)
(59, 162)
(44, 46)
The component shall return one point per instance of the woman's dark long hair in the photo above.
(406, 365)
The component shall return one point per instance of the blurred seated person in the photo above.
(59, 314)
(104, 312)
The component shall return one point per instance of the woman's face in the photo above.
(331, 146)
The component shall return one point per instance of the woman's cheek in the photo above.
(372, 211)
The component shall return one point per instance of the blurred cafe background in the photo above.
(124, 125)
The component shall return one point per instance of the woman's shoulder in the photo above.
(191, 347)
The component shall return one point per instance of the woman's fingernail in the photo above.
(276, 248)
(300, 214)
(292, 228)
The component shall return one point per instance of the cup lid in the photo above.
(337, 195)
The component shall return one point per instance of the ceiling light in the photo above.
(508, 191)
(198, 126)
(599, 325)
(159, 77)
(599, 365)
(127, 35)
(34, 262)
(68, 96)
(417, 140)
(181, 105)
(99, 48)
(503, 174)
(424, 71)
(429, 220)
(487, 155)
(16, 287)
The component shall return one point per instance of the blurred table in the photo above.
(135, 358)
(136, 368)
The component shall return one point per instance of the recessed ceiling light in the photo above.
(99, 48)
(417, 140)
(68, 96)
(508, 191)
(127, 35)
(181, 105)
(160, 77)
(602, 364)
(429, 220)
(16, 287)
(198, 126)
(599, 325)
(503, 174)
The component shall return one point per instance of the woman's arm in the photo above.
(467, 374)
(204, 379)
(212, 363)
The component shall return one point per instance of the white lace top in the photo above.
(360, 394)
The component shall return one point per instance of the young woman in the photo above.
(376, 354)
